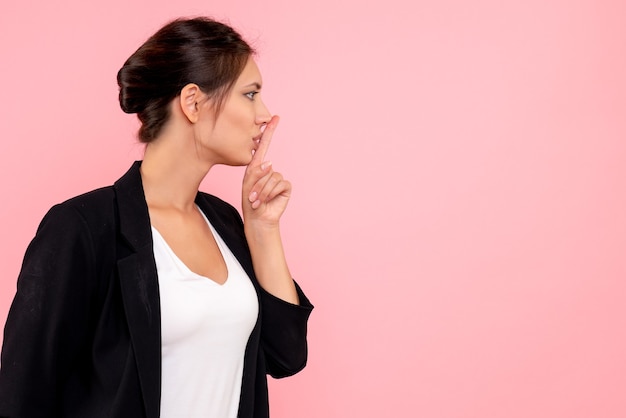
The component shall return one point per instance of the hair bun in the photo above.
(130, 97)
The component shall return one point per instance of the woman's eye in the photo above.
(251, 95)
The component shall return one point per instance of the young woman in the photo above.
(149, 298)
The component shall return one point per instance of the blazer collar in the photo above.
(139, 285)
(133, 211)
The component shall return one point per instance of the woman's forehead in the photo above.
(250, 75)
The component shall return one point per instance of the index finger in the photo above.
(264, 143)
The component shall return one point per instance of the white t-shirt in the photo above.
(205, 327)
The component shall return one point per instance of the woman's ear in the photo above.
(191, 98)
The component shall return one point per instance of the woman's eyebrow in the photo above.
(256, 84)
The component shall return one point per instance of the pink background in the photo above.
(459, 208)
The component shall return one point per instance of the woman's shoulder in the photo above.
(92, 199)
(96, 201)
(91, 209)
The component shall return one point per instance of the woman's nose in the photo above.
(263, 115)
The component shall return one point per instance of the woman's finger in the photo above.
(269, 185)
(271, 191)
(255, 179)
(264, 144)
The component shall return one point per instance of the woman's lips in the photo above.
(256, 140)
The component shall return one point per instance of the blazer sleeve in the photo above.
(47, 322)
(284, 333)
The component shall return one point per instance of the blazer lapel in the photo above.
(139, 285)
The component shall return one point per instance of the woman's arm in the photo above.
(270, 265)
(265, 194)
(284, 306)
(48, 320)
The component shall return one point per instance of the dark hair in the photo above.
(199, 50)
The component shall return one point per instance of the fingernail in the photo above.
(256, 204)
(252, 196)
(265, 165)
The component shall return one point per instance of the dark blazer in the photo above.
(83, 335)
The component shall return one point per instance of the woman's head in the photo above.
(202, 51)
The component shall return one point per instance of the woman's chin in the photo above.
(239, 162)
(248, 159)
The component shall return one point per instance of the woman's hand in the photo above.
(265, 193)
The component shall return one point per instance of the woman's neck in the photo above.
(171, 173)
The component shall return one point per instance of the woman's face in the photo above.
(233, 136)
